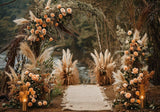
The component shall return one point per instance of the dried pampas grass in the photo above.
(66, 72)
(104, 66)
(25, 50)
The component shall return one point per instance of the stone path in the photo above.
(85, 98)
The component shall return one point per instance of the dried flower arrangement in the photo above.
(104, 66)
(133, 73)
(34, 76)
(65, 71)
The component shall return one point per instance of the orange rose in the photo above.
(125, 85)
(37, 25)
(129, 32)
(135, 53)
(36, 32)
(30, 89)
(26, 72)
(48, 20)
(138, 101)
(137, 93)
(30, 104)
(138, 48)
(52, 15)
(133, 41)
(132, 100)
(143, 54)
(40, 21)
(40, 35)
(135, 70)
(39, 103)
(44, 25)
(45, 16)
(50, 39)
(33, 100)
(128, 95)
(56, 24)
(131, 48)
(32, 31)
(133, 59)
(69, 10)
(30, 74)
(44, 31)
(44, 102)
(60, 16)
(126, 52)
(131, 82)
(33, 92)
(59, 6)
(125, 68)
(122, 92)
(64, 14)
(39, 28)
(28, 84)
(135, 80)
(141, 75)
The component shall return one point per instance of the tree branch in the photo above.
(3, 4)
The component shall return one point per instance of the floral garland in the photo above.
(133, 74)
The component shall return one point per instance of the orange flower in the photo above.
(135, 53)
(33, 92)
(135, 70)
(27, 92)
(28, 27)
(64, 14)
(132, 100)
(139, 79)
(126, 52)
(36, 32)
(40, 35)
(28, 84)
(50, 39)
(32, 31)
(39, 28)
(128, 95)
(44, 31)
(33, 100)
(138, 101)
(48, 20)
(47, 7)
(141, 75)
(122, 92)
(128, 57)
(30, 104)
(133, 41)
(59, 6)
(39, 103)
(125, 68)
(133, 59)
(34, 77)
(44, 102)
(44, 25)
(26, 72)
(40, 21)
(125, 103)
(37, 39)
(30, 89)
(21, 93)
(131, 82)
(129, 32)
(69, 10)
(135, 80)
(30, 74)
(131, 48)
(137, 93)
(37, 25)
(143, 54)
(138, 48)
(60, 16)
(52, 15)
(56, 24)
(45, 16)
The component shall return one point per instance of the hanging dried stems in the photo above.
(104, 66)
(66, 72)
(12, 48)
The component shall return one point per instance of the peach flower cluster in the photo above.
(128, 95)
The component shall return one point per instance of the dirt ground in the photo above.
(56, 104)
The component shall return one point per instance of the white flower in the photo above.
(62, 10)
